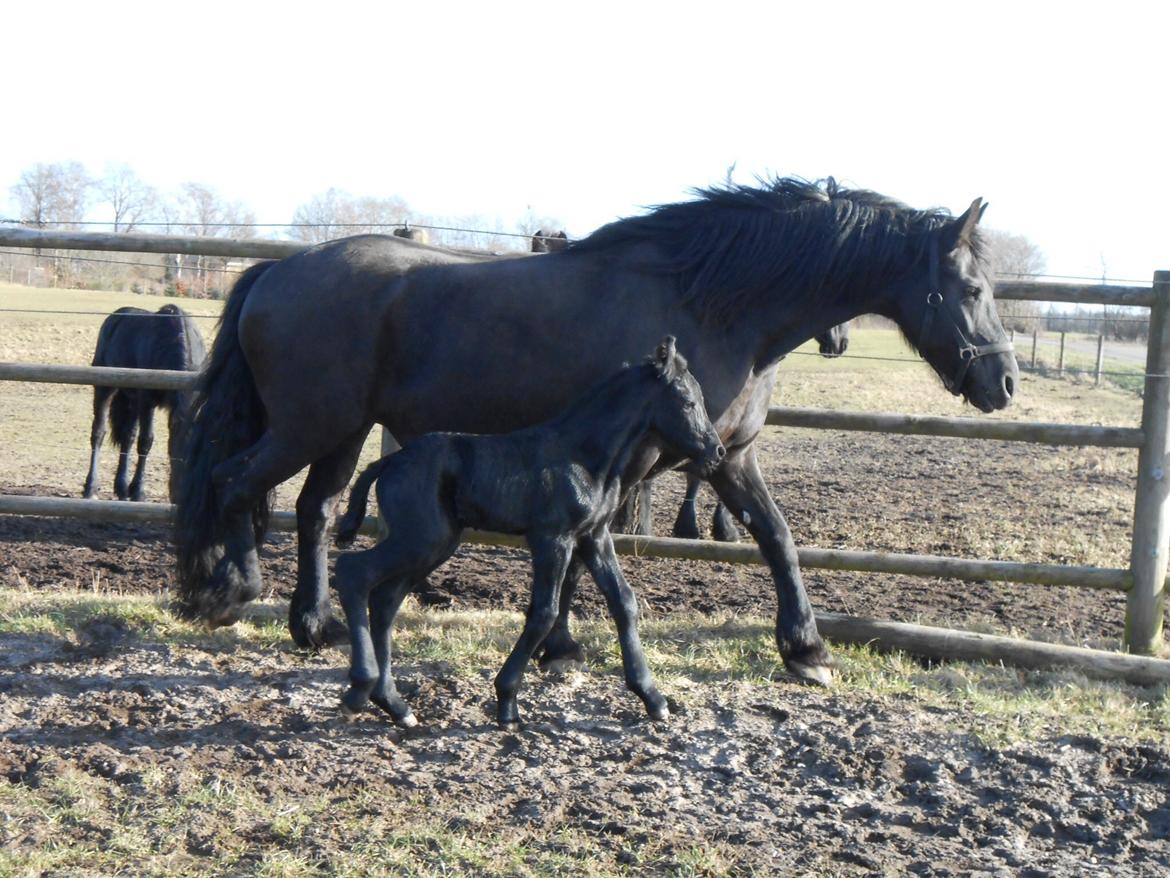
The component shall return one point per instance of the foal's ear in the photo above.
(960, 231)
(666, 359)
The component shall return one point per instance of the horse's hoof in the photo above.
(659, 714)
(563, 665)
(814, 675)
(314, 634)
(512, 725)
(408, 721)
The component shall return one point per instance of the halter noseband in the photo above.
(968, 352)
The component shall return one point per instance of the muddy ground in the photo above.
(744, 779)
(776, 779)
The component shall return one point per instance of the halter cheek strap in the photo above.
(936, 304)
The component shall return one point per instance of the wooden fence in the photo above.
(1144, 581)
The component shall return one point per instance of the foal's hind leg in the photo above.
(384, 605)
(97, 435)
(623, 606)
(145, 442)
(310, 621)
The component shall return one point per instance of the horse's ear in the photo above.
(562, 234)
(960, 231)
(666, 357)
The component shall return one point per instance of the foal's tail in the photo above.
(359, 496)
(227, 417)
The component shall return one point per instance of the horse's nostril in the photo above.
(1009, 385)
(844, 345)
(720, 452)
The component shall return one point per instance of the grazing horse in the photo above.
(635, 516)
(558, 483)
(314, 349)
(549, 242)
(136, 339)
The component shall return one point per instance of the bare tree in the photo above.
(1014, 257)
(53, 194)
(203, 212)
(337, 214)
(132, 200)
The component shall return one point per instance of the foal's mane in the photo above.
(735, 246)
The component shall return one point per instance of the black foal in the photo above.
(558, 483)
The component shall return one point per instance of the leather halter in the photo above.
(936, 303)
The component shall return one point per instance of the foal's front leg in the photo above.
(550, 560)
(598, 554)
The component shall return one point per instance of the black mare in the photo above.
(136, 339)
(316, 348)
(558, 483)
(635, 516)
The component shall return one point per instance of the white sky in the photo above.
(1056, 113)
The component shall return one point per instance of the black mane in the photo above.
(734, 245)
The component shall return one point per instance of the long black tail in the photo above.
(227, 417)
(359, 496)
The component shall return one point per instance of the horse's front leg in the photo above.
(740, 485)
(686, 525)
(550, 561)
(310, 620)
(597, 552)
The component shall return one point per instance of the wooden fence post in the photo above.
(1035, 335)
(1145, 604)
(1060, 359)
(1100, 358)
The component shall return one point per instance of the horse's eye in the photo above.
(972, 292)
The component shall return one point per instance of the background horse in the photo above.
(136, 339)
(316, 348)
(636, 514)
(558, 483)
(549, 242)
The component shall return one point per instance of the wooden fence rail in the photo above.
(784, 416)
(1144, 582)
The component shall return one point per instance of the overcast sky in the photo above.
(1056, 113)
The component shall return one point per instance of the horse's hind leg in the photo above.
(550, 560)
(309, 619)
(384, 605)
(145, 443)
(125, 437)
(240, 483)
(97, 435)
(623, 606)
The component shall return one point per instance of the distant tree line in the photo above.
(64, 196)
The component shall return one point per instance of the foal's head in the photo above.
(677, 411)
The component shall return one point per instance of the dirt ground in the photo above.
(214, 749)
(777, 779)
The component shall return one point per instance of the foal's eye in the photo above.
(972, 292)
(689, 406)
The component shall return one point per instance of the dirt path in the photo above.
(745, 778)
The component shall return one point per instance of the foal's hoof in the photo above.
(511, 725)
(563, 665)
(353, 702)
(812, 674)
(312, 632)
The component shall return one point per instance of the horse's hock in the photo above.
(1143, 582)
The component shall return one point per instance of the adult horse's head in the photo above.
(946, 310)
(834, 341)
(677, 411)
